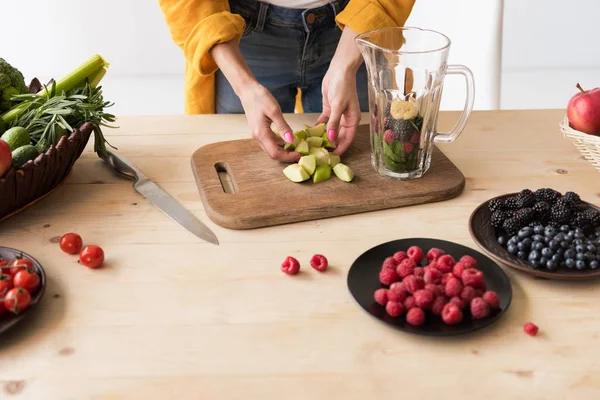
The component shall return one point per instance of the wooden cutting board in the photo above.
(255, 193)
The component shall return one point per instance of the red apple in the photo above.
(583, 111)
(5, 157)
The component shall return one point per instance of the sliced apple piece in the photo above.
(322, 173)
(343, 172)
(295, 173)
(316, 130)
(309, 163)
(291, 146)
(300, 134)
(315, 141)
(328, 144)
(321, 155)
(334, 159)
(302, 147)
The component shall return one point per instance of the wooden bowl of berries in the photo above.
(22, 285)
(544, 233)
(429, 287)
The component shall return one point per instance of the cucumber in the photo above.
(2, 126)
(23, 154)
(16, 137)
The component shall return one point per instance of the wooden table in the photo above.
(171, 316)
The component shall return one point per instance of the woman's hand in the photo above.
(341, 109)
(259, 105)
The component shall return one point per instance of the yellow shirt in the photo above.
(197, 25)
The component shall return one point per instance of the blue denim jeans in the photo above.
(287, 49)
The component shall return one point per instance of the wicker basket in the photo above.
(22, 187)
(588, 145)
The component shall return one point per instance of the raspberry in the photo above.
(479, 308)
(419, 272)
(415, 253)
(434, 254)
(409, 303)
(397, 292)
(472, 277)
(492, 299)
(468, 262)
(399, 256)
(468, 293)
(432, 276)
(446, 259)
(479, 292)
(389, 263)
(415, 316)
(453, 287)
(290, 266)
(319, 262)
(530, 328)
(443, 268)
(435, 289)
(424, 298)
(381, 296)
(451, 314)
(415, 138)
(460, 303)
(387, 276)
(388, 136)
(438, 305)
(406, 268)
(458, 269)
(446, 277)
(407, 148)
(412, 283)
(394, 308)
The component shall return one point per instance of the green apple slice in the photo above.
(321, 155)
(295, 173)
(334, 159)
(328, 144)
(302, 147)
(343, 172)
(300, 134)
(315, 141)
(322, 173)
(291, 146)
(309, 163)
(316, 130)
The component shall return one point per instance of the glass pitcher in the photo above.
(406, 68)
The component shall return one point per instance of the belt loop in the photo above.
(262, 16)
(336, 7)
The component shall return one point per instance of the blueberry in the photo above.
(550, 231)
(525, 232)
(539, 229)
(522, 255)
(597, 233)
(580, 265)
(512, 249)
(564, 244)
(556, 258)
(578, 242)
(502, 240)
(535, 264)
(534, 255)
(522, 246)
(560, 237)
(579, 248)
(569, 254)
(537, 246)
(590, 257)
(591, 248)
(564, 228)
(580, 257)
(579, 236)
(538, 238)
(553, 244)
(560, 252)
(543, 260)
(551, 265)
(570, 263)
(571, 235)
(594, 264)
(513, 240)
(527, 242)
(546, 252)
(579, 230)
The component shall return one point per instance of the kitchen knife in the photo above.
(159, 198)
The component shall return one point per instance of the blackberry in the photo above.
(525, 215)
(535, 223)
(547, 194)
(593, 216)
(542, 209)
(564, 203)
(580, 220)
(572, 198)
(511, 203)
(525, 198)
(495, 204)
(511, 226)
(403, 129)
(559, 214)
(497, 218)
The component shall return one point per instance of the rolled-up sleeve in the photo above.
(366, 15)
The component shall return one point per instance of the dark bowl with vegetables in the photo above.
(45, 131)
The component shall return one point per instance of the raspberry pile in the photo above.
(422, 285)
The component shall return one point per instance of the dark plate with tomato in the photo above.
(18, 300)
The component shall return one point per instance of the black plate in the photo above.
(9, 320)
(483, 233)
(363, 280)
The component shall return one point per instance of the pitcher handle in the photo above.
(447, 137)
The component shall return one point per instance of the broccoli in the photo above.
(12, 82)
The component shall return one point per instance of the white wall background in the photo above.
(547, 47)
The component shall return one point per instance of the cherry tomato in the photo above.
(17, 300)
(91, 256)
(6, 283)
(3, 263)
(20, 264)
(29, 281)
(71, 243)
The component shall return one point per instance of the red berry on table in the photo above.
(438, 305)
(397, 292)
(451, 314)
(381, 296)
(399, 256)
(492, 299)
(415, 316)
(319, 262)
(394, 308)
(468, 293)
(460, 303)
(389, 262)
(419, 272)
(412, 283)
(472, 277)
(27, 280)
(406, 267)
(453, 287)
(468, 262)
(290, 266)
(17, 300)
(415, 253)
(71, 243)
(92, 256)
(409, 303)
(424, 298)
(531, 329)
(387, 276)
(479, 308)
(434, 254)
(432, 276)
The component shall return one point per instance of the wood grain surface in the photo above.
(173, 317)
(263, 196)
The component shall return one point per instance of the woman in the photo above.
(249, 56)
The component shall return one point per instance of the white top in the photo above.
(299, 3)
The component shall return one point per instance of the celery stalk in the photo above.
(92, 69)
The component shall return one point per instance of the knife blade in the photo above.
(159, 198)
